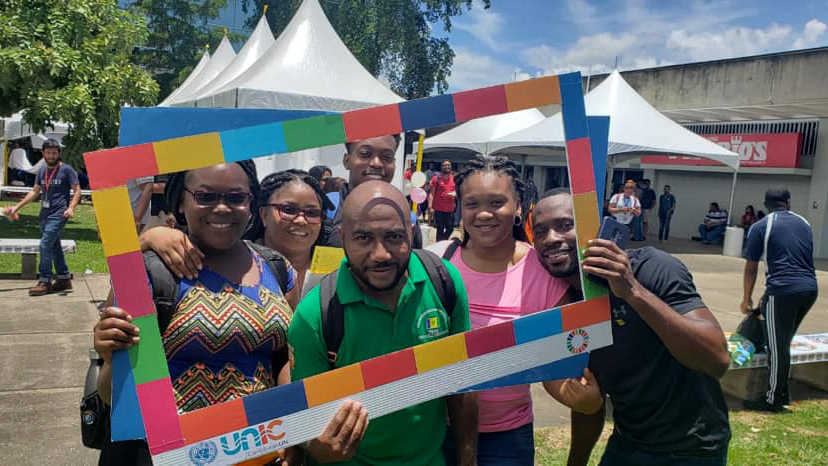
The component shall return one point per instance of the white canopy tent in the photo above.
(307, 68)
(205, 60)
(259, 42)
(475, 135)
(222, 57)
(15, 128)
(636, 129)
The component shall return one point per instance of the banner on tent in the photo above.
(777, 150)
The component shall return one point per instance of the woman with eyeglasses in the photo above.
(225, 335)
(292, 222)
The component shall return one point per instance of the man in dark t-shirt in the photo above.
(784, 239)
(54, 180)
(667, 352)
(368, 159)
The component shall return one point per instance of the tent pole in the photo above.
(732, 193)
(610, 171)
(419, 164)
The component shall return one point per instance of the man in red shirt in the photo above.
(441, 201)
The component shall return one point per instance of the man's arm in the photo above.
(462, 411)
(76, 195)
(751, 269)
(693, 338)
(142, 204)
(586, 430)
(29, 197)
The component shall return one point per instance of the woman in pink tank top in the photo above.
(504, 280)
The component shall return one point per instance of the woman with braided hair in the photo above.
(505, 280)
(224, 331)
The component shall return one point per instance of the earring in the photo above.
(518, 221)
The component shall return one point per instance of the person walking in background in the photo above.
(712, 230)
(666, 208)
(786, 242)
(441, 201)
(624, 206)
(647, 199)
(54, 180)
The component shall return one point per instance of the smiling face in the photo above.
(220, 226)
(553, 225)
(371, 159)
(489, 206)
(291, 236)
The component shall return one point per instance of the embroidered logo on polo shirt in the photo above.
(432, 324)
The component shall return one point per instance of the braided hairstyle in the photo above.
(276, 181)
(174, 191)
(504, 166)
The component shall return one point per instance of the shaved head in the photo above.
(376, 235)
(363, 198)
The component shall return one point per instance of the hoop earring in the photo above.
(518, 221)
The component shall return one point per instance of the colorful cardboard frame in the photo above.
(227, 433)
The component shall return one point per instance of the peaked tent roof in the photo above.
(205, 60)
(307, 68)
(222, 57)
(260, 40)
(635, 128)
(475, 134)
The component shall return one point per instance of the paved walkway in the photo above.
(44, 343)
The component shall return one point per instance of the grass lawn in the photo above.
(82, 228)
(799, 437)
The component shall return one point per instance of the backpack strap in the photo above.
(333, 316)
(164, 288)
(275, 261)
(449, 252)
(439, 276)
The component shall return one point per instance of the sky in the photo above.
(518, 39)
(523, 38)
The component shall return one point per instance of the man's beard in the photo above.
(363, 278)
(559, 272)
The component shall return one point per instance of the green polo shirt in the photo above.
(412, 436)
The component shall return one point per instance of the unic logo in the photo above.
(252, 437)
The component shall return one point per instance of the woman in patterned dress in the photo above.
(227, 335)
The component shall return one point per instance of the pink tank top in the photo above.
(522, 289)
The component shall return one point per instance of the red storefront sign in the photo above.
(778, 150)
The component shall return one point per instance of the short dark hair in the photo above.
(51, 143)
(667, 186)
(714, 204)
(350, 145)
(777, 197)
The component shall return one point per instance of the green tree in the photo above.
(69, 60)
(392, 38)
(178, 33)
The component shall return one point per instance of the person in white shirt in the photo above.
(625, 206)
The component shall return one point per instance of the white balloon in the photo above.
(418, 179)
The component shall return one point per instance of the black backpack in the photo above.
(333, 316)
(165, 284)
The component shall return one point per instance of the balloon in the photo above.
(418, 179)
(407, 187)
(418, 195)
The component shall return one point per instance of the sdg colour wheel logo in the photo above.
(577, 341)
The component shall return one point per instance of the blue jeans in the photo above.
(619, 453)
(664, 225)
(50, 250)
(714, 235)
(510, 447)
(638, 228)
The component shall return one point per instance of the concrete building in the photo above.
(772, 109)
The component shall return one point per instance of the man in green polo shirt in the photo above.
(389, 304)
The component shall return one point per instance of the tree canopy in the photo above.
(71, 61)
(178, 32)
(390, 38)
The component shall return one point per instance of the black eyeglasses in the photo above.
(232, 199)
(289, 212)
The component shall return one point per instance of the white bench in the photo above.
(809, 364)
(30, 248)
(26, 189)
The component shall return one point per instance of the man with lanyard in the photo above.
(441, 200)
(667, 352)
(785, 240)
(368, 159)
(388, 303)
(55, 179)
